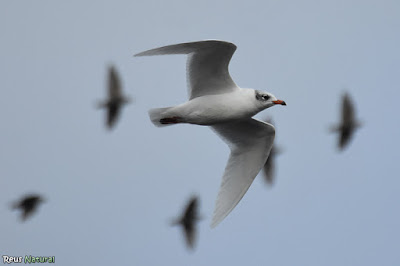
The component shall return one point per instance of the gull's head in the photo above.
(266, 99)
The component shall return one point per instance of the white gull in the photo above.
(215, 100)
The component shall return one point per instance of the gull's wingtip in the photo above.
(187, 48)
(214, 224)
(217, 219)
(149, 52)
(145, 53)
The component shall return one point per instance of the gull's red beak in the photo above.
(279, 102)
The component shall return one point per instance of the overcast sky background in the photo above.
(111, 194)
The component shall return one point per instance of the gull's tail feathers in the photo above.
(156, 116)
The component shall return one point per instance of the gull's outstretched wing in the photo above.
(250, 142)
(207, 65)
(114, 86)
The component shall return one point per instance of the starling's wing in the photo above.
(269, 167)
(250, 142)
(190, 219)
(207, 65)
(27, 212)
(192, 209)
(345, 136)
(29, 205)
(190, 234)
(114, 84)
(112, 114)
(348, 121)
(347, 110)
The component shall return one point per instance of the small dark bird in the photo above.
(188, 221)
(28, 205)
(348, 124)
(115, 98)
(269, 166)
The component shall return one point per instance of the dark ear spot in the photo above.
(262, 97)
(259, 96)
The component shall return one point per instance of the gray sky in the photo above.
(111, 195)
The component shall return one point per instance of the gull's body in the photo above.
(218, 108)
(215, 100)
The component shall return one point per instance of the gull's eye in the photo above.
(265, 97)
(262, 97)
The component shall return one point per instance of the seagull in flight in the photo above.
(216, 101)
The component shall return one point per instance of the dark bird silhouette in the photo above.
(269, 166)
(115, 99)
(188, 221)
(28, 205)
(348, 123)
